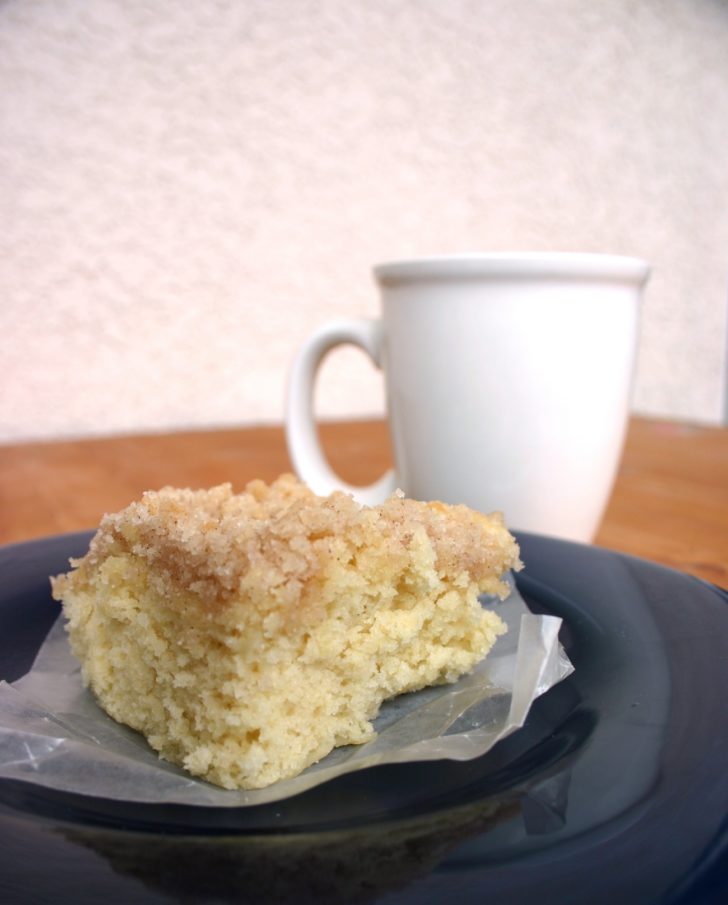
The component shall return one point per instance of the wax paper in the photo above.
(53, 733)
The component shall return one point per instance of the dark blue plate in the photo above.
(616, 790)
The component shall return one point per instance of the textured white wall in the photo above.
(187, 189)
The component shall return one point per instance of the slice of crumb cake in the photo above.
(248, 635)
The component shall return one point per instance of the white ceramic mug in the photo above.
(508, 381)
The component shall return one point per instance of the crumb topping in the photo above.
(208, 540)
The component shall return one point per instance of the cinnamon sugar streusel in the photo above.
(247, 635)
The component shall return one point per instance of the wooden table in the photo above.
(670, 502)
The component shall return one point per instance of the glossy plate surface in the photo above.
(615, 790)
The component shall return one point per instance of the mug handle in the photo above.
(304, 448)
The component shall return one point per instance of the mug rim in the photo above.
(515, 264)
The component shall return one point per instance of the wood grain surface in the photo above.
(670, 501)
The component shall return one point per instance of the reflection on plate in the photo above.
(615, 790)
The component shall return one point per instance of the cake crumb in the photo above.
(247, 635)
